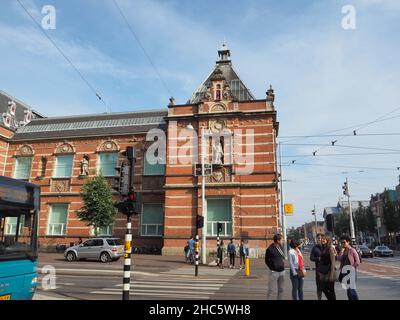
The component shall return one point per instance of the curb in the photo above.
(40, 296)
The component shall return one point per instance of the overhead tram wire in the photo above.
(339, 166)
(340, 145)
(135, 36)
(343, 135)
(340, 154)
(65, 57)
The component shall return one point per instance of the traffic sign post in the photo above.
(288, 208)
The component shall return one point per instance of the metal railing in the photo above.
(226, 228)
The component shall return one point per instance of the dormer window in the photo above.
(218, 92)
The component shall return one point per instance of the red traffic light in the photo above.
(131, 196)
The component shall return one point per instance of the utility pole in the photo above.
(282, 211)
(347, 193)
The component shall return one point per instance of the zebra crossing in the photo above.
(174, 284)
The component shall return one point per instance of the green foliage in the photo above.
(371, 221)
(391, 216)
(98, 210)
(295, 234)
(361, 219)
(342, 224)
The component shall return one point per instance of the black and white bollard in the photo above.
(196, 263)
(127, 260)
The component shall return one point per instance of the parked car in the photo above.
(383, 251)
(103, 249)
(365, 251)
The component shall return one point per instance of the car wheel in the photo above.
(105, 257)
(71, 256)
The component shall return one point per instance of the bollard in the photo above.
(247, 266)
(196, 265)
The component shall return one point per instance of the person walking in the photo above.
(243, 253)
(190, 251)
(220, 254)
(315, 256)
(232, 254)
(326, 268)
(274, 259)
(297, 270)
(349, 257)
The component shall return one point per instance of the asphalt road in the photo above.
(157, 277)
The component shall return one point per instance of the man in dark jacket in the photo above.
(315, 256)
(274, 259)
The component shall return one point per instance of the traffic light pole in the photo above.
(352, 233)
(203, 203)
(283, 219)
(127, 260)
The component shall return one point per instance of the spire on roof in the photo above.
(224, 53)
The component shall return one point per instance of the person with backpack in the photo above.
(232, 254)
(350, 259)
(315, 256)
(243, 253)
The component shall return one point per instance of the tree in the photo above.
(371, 220)
(390, 215)
(342, 224)
(295, 234)
(98, 209)
(360, 219)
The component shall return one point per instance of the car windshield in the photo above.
(364, 247)
(16, 235)
(383, 248)
(114, 242)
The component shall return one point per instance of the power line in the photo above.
(142, 47)
(339, 154)
(65, 57)
(339, 145)
(338, 166)
(341, 135)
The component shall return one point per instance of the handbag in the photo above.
(323, 268)
(301, 273)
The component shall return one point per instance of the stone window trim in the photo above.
(64, 148)
(24, 151)
(108, 146)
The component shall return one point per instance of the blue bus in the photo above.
(19, 219)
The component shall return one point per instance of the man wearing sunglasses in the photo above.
(348, 257)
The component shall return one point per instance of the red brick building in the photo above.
(221, 122)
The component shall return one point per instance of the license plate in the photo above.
(6, 297)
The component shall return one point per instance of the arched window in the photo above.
(218, 92)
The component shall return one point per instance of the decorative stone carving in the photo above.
(108, 146)
(218, 153)
(85, 166)
(25, 151)
(220, 174)
(219, 107)
(65, 148)
(60, 185)
(227, 92)
(217, 125)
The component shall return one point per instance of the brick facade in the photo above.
(252, 196)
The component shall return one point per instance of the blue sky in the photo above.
(325, 77)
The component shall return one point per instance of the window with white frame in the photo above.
(11, 223)
(22, 168)
(152, 219)
(107, 163)
(103, 231)
(57, 223)
(63, 166)
(219, 210)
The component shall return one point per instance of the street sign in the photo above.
(288, 207)
(207, 169)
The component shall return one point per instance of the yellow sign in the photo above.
(288, 207)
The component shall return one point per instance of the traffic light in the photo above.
(345, 189)
(122, 179)
(219, 227)
(199, 222)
